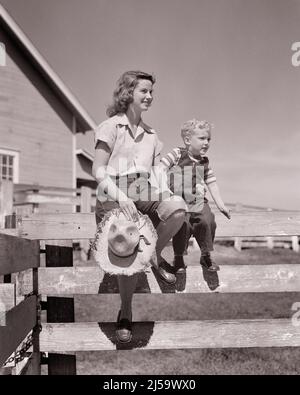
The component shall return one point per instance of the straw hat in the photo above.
(122, 246)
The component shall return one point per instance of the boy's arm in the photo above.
(215, 194)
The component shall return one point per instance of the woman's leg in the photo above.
(167, 229)
(167, 217)
(127, 285)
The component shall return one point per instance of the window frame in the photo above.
(15, 155)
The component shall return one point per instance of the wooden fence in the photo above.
(42, 243)
(23, 199)
(28, 199)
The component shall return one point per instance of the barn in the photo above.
(40, 118)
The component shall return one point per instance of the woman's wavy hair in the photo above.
(123, 94)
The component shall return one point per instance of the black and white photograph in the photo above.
(149, 190)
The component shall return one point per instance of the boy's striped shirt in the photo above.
(173, 157)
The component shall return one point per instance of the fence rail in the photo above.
(82, 225)
(92, 336)
(231, 279)
(28, 199)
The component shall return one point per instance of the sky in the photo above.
(225, 61)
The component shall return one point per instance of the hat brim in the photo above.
(128, 266)
(121, 261)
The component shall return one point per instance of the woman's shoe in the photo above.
(164, 272)
(124, 331)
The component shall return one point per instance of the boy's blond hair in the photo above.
(189, 126)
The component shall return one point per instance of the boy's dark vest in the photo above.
(191, 172)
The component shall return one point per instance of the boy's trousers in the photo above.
(202, 226)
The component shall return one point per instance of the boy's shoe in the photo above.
(124, 331)
(179, 265)
(208, 263)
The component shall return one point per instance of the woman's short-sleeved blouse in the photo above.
(129, 154)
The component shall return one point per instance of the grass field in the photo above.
(209, 361)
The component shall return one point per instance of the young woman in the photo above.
(126, 148)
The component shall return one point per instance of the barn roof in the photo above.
(46, 71)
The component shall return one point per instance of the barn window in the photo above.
(9, 165)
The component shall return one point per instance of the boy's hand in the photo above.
(224, 210)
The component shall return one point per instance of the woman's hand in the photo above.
(128, 208)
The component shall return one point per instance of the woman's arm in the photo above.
(161, 179)
(106, 184)
(102, 154)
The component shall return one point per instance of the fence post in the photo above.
(85, 201)
(7, 277)
(238, 241)
(85, 207)
(33, 367)
(60, 309)
(270, 242)
(295, 243)
(10, 222)
(6, 200)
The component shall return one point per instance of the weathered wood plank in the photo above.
(19, 188)
(185, 334)
(65, 226)
(231, 278)
(7, 297)
(44, 198)
(173, 307)
(10, 232)
(18, 323)
(82, 225)
(269, 241)
(18, 254)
